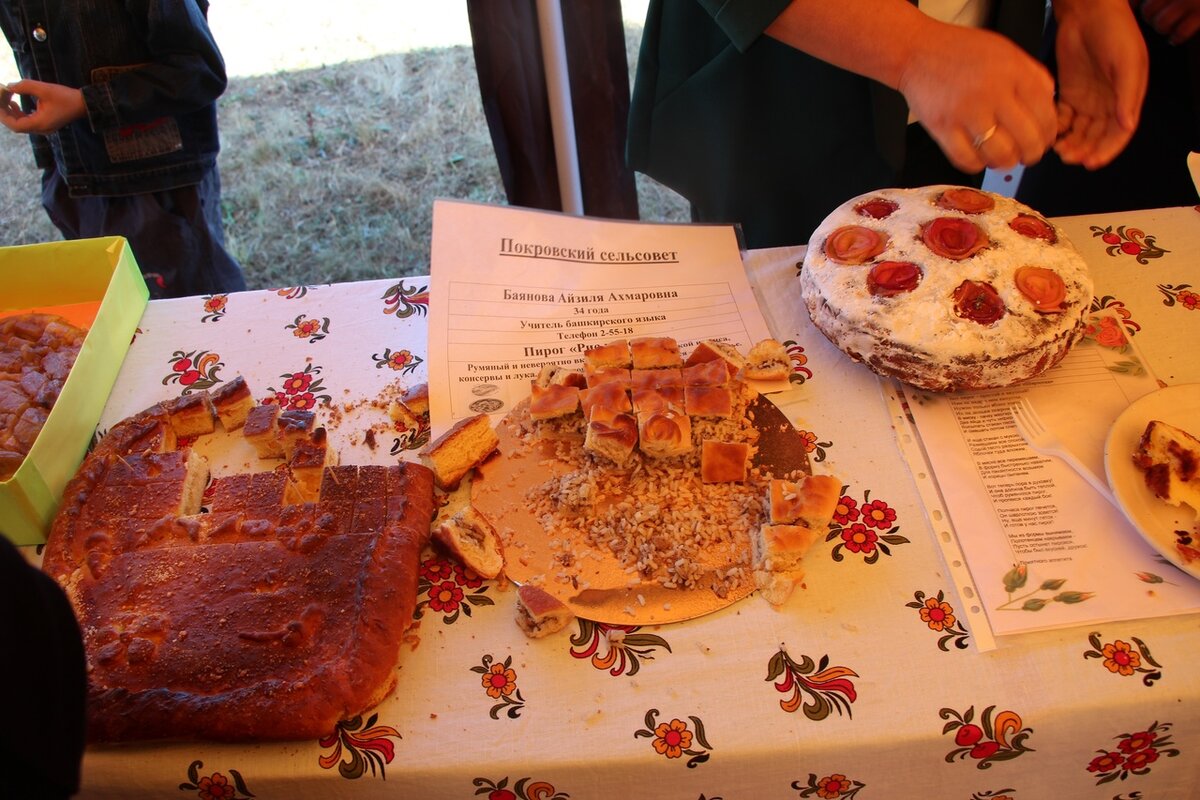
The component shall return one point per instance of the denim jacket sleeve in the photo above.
(176, 66)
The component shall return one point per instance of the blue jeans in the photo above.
(176, 235)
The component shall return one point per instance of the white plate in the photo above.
(1154, 519)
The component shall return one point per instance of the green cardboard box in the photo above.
(49, 276)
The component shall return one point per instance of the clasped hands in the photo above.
(988, 104)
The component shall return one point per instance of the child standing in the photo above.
(119, 100)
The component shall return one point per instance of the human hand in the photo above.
(983, 100)
(1103, 70)
(57, 106)
(1178, 20)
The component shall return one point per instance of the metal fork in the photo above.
(1037, 436)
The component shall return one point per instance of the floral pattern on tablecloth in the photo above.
(834, 786)
(675, 739)
(617, 649)
(215, 307)
(216, 785)
(1135, 753)
(1126, 240)
(312, 329)
(302, 390)
(863, 529)
(1181, 295)
(820, 688)
(499, 681)
(938, 616)
(1114, 306)
(813, 447)
(358, 746)
(522, 789)
(194, 370)
(450, 589)
(1125, 659)
(996, 737)
(800, 372)
(404, 300)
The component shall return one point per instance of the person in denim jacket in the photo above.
(119, 100)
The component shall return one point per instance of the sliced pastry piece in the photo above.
(553, 400)
(810, 501)
(308, 462)
(295, 425)
(262, 431)
(664, 434)
(724, 462)
(193, 414)
(655, 352)
(472, 540)
(1169, 457)
(612, 354)
(711, 350)
(709, 401)
(767, 361)
(232, 401)
(539, 613)
(612, 434)
(459, 450)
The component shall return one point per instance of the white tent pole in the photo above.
(558, 88)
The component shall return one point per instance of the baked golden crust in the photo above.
(612, 354)
(459, 450)
(470, 538)
(552, 400)
(539, 613)
(724, 462)
(654, 352)
(258, 620)
(611, 433)
(232, 401)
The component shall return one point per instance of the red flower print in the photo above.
(810, 441)
(215, 787)
(499, 680)
(1109, 333)
(299, 382)
(302, 401)
(968, 736)
(465, 576)
(858, 539)
(672, 738)
(501, 794)
(306, 327)
(1141, 759)
(182, 365)
(437, 569)
(279, 397)
(1189, 300)
(1106, 762)
(832, 786)
(189, 377)
(399, 359)
(938, 616)
(846, 511)
(216, 303)
(878, 514)
(1120, 658)
(445, 596)
(1136, 741)
(984, 750)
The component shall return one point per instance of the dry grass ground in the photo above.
(329, 171)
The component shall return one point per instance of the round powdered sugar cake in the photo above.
(946, 287)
